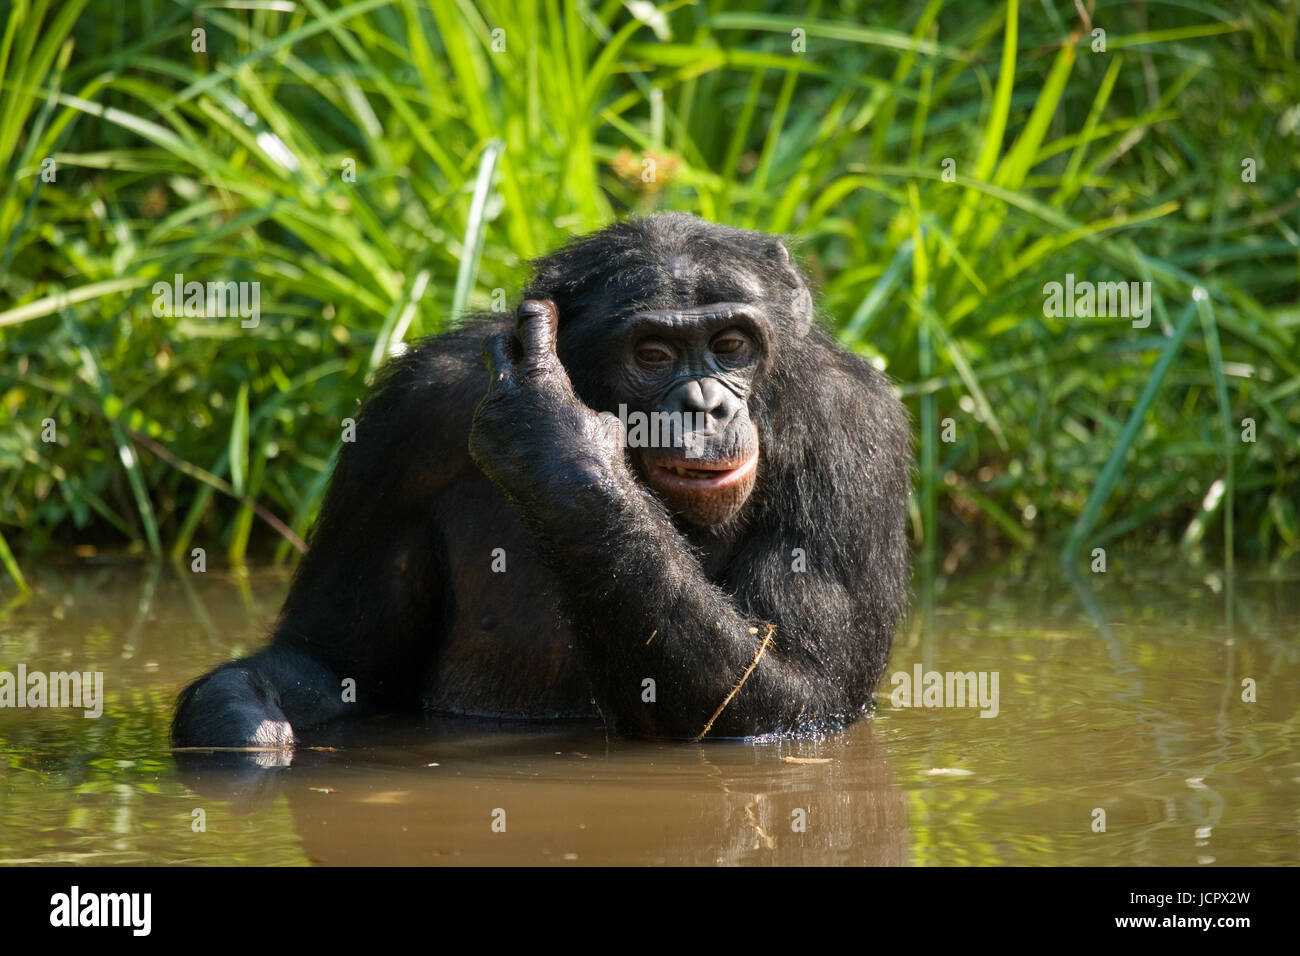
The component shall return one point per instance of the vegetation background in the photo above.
(486, 133)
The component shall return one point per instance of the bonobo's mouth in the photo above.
(693, 476)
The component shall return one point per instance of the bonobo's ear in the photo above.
(794, 286)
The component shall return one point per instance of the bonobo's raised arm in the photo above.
(793, 627)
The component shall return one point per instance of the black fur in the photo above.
(604, 586)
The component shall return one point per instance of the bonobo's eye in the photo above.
(651, 354)
(731, 344)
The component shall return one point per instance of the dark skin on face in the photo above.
(699, 364)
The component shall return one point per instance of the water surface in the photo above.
(1120, 701)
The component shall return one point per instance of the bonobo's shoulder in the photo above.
(840, 386)
(449, 358)
(421, 404)
(436, 382)
(841, 368)
(436, 372)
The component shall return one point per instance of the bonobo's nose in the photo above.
(704, 395)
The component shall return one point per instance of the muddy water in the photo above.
(1119, 705)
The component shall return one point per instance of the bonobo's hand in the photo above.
(532, 435)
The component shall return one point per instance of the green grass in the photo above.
(228, 165)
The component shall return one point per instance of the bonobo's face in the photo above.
(685, 376)
(679, 322)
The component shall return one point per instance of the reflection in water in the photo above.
(419, 795)
(1120, 695)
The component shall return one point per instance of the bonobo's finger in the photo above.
(497, 349)
(537, 327)
(612, 427)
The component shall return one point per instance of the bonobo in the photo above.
(737, 569)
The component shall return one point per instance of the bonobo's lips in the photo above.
(693, 476)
